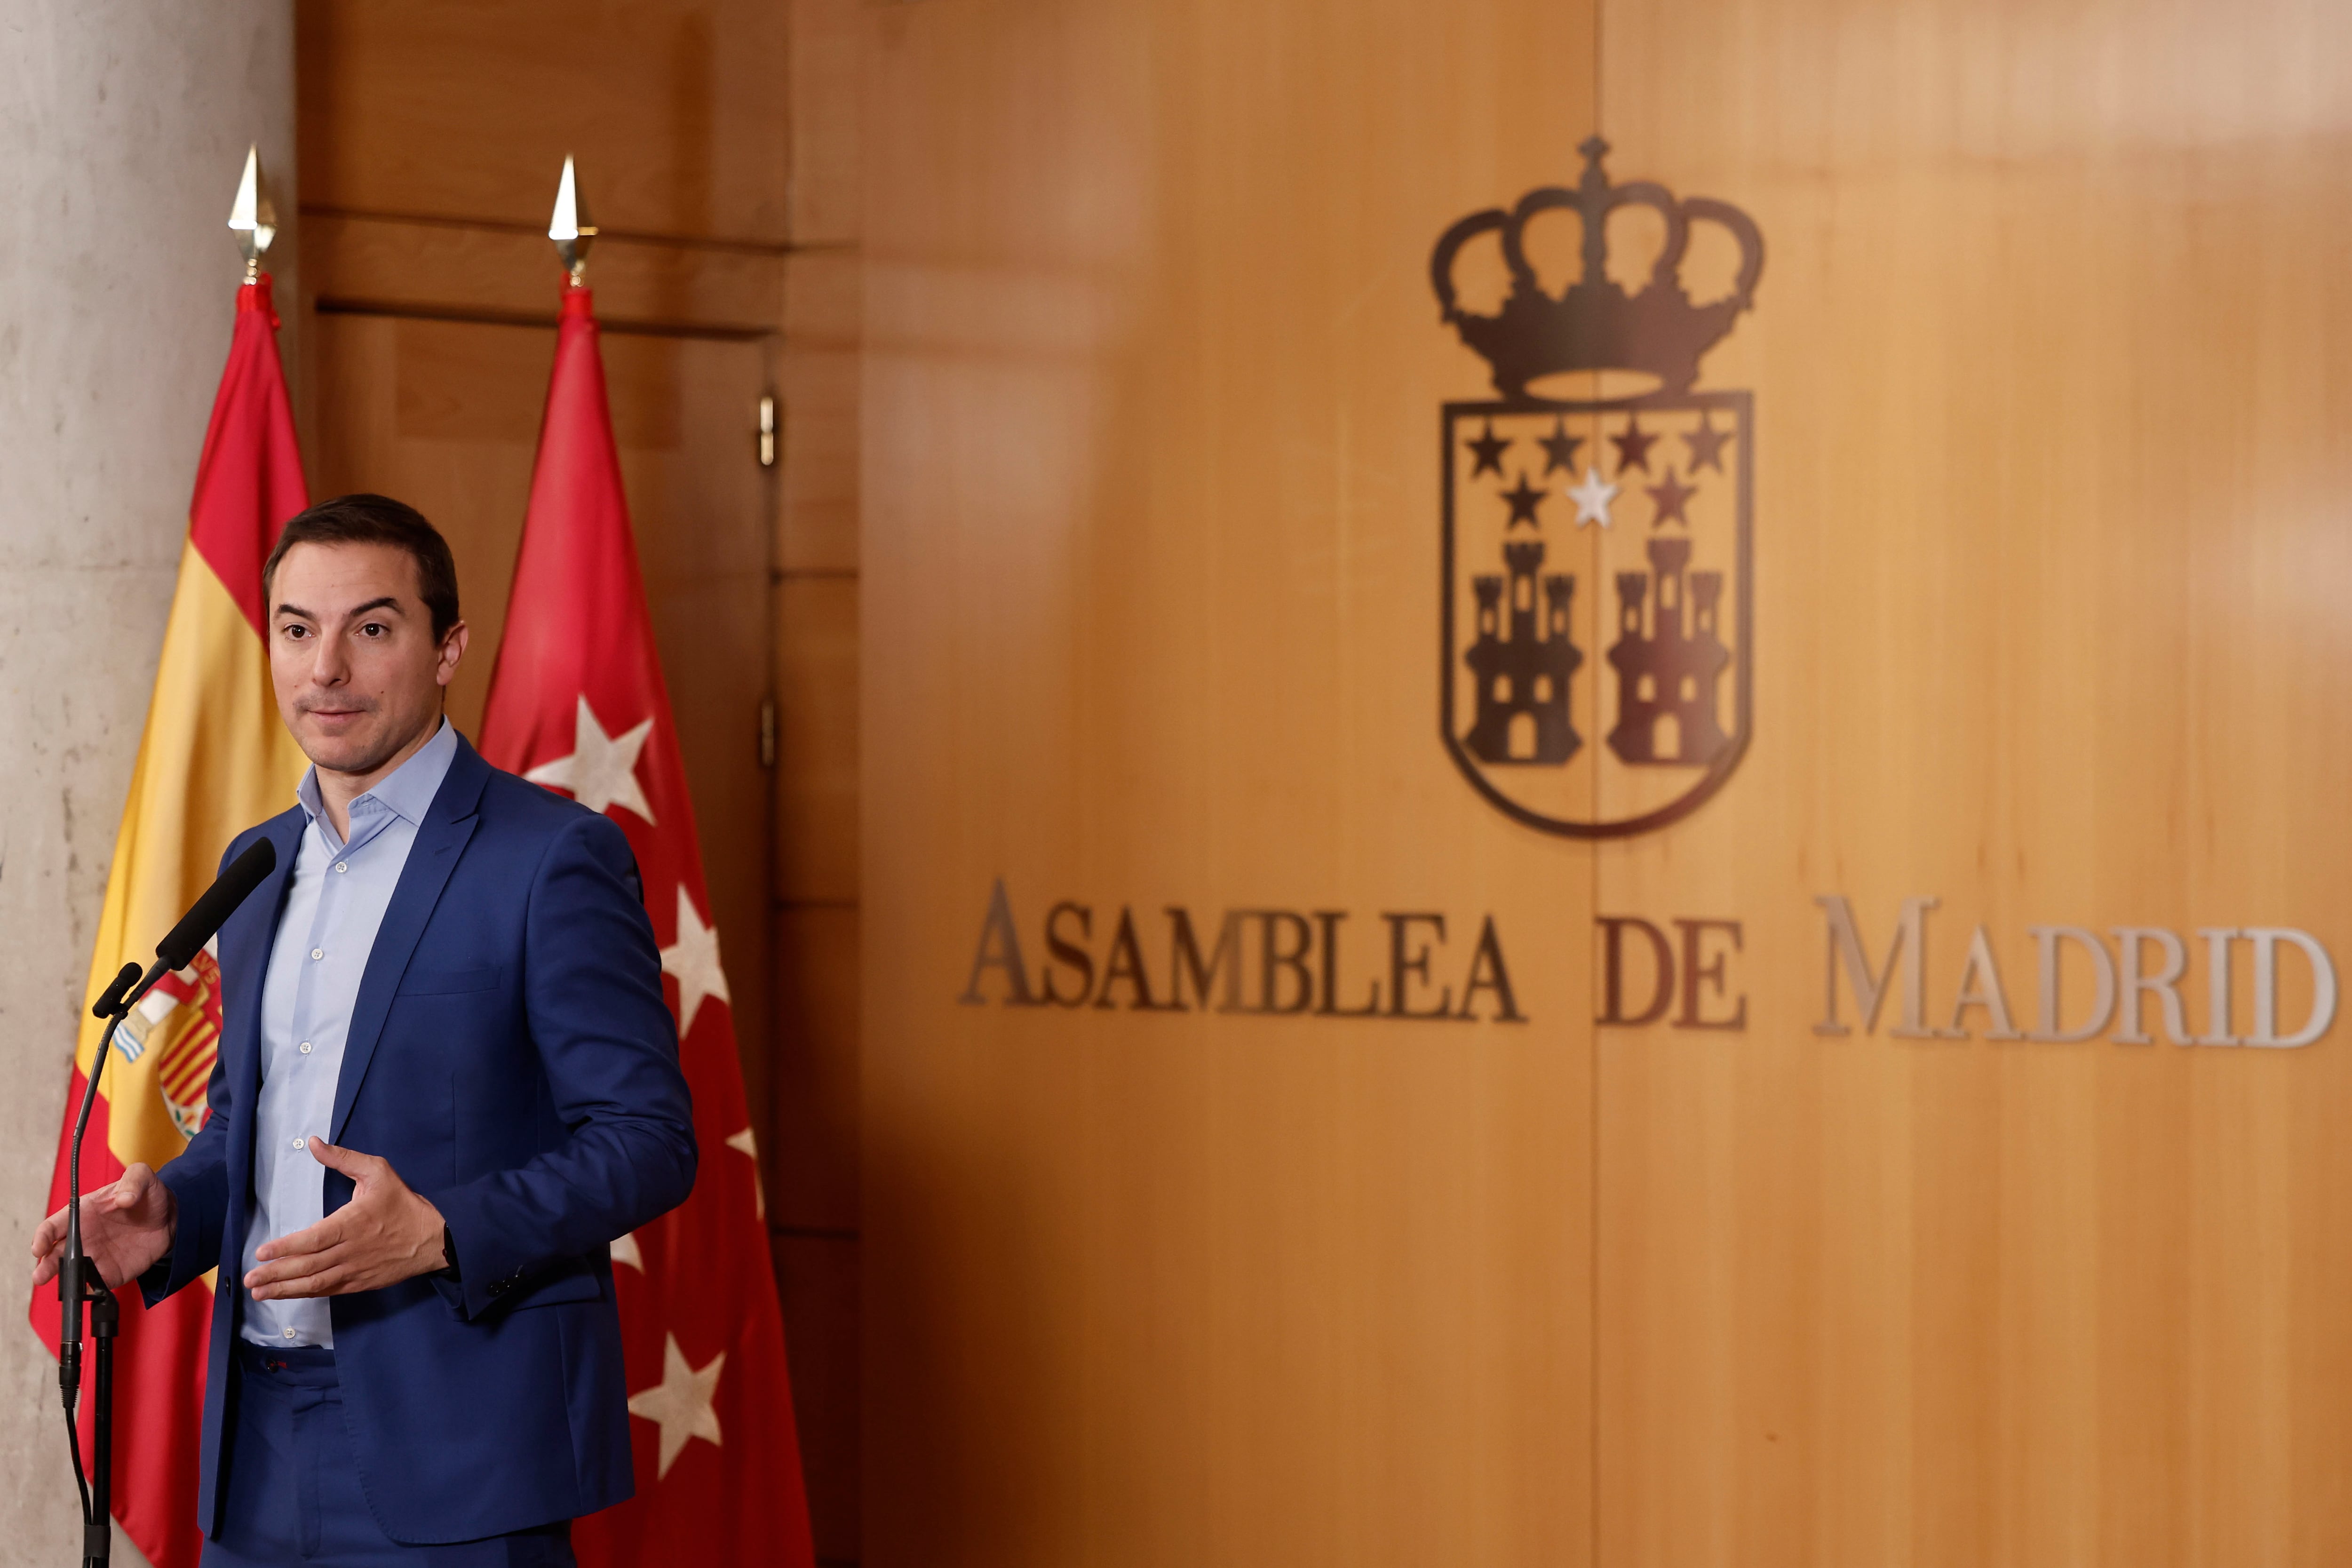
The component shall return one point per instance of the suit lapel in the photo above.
(441, 838)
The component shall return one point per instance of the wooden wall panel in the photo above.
(817, 1275)
(385, 265)
(815, 1162)
(819, 898)
(826, 192)
(1148, 516)
(2054, 620)
(442, 108)
(2049, 605)
(817, 747)
(822, 364)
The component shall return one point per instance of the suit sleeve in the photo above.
(593, 996)
(197, 1180)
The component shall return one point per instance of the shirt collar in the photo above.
(408, 791)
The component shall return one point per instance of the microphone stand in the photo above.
(79, 1283)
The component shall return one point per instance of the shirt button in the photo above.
(298, 1143)
(318, 952)
(304, 1048)
(340, 866)
(290, 1333)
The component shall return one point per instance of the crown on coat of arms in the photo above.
(1594, 324)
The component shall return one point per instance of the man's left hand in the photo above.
(384, 1235)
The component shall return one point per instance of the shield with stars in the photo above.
(1598, 626)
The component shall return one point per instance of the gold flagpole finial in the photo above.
(571, 228)
(252, 216)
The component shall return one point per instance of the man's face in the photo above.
(358, 672)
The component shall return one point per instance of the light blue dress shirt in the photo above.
(340, 889)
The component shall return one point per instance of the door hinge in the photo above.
(767, 731)
(767, 430)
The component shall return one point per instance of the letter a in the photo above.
(1980, 987)
(1000, 948)
(1487, 973)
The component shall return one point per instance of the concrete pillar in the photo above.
(122, 127)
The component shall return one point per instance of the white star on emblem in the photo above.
(694, 959)
(680, 1403)
(750, 1145)
(1591, 498)
(624, 1250)
(602, 771)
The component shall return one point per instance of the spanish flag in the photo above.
(213, 760)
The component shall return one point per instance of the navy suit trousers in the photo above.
(293, 1494)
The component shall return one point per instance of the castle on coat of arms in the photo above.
(1666, 672)
(1523, 670)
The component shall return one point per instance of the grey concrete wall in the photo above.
(123, 124)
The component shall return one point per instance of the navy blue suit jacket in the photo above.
(511, 1055)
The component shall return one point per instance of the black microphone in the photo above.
(182, 943)
(107, 1004)
(220, 901)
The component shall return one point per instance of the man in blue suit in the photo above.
(448, 1080)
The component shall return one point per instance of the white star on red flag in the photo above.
(602, 771)
(693, 958)
(680, 1403)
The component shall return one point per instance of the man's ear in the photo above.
(453, 649)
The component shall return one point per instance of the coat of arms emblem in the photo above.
(1598, 625)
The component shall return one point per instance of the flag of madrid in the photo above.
(577, 703)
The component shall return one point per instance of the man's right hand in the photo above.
(126, 1229)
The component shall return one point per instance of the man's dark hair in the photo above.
(378, 520)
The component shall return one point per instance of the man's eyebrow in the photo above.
(387, 603)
